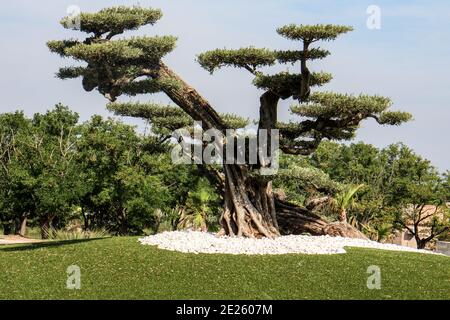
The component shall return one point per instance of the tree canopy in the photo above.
(134, 65)
(100, 175)
(399, 185)
(324, 115)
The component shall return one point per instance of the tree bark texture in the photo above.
(250, 207)
(21, 226)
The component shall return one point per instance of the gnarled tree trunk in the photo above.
(21, 226)
(249, 204)
(250, 208)
(45, 225)
(249, 201)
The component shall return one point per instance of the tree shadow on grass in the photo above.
(44, 245)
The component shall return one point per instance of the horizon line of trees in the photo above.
(399, 190)
(55, 170)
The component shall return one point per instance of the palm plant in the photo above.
(199, 207)
(345, 199)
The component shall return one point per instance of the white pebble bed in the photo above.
(199, 242)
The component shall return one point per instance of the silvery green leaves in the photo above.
(330, 105)
(394, 118)
(147, 110)
(241, 58)
(133, 50)
(293, 56)
(253, 58)
(233, 121)
(169, 117)
(284, 84)
(60, 47)
(148, 86)
(327, 105)
(115, 67)
(287, 84)
(312, 33)
(305, 176)
(163, 118)
(72, 72)
(334, 116)
(114, 20)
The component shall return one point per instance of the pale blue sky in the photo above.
(407, 60)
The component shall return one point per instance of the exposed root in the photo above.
(249, 207)
(297, 220)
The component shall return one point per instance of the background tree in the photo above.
(416, 217)
(420, 198)
(39, 177)
(446, 186)
(134, 66)
(356, 164)
(400, 185)
(14, 197)
(303, 184)
(55, 173)
(121, 194)
(48, 158)
(129, 178)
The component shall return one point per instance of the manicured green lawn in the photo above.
(121, 268)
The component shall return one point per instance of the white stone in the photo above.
(200, 242)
